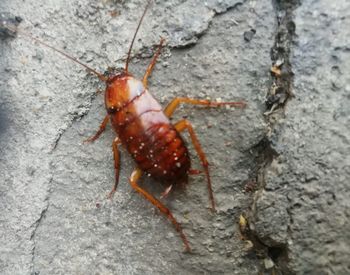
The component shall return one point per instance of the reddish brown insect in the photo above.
(144, 129)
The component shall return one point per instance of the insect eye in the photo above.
(111, 110)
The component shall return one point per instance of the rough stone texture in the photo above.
(55, 217)
(303, 212)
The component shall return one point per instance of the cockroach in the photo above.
(145, 130)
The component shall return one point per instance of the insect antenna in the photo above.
(133, 39)
(16, 30)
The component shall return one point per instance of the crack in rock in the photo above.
(73, 116)
(36, 225)
(184, 31)
(269, 226)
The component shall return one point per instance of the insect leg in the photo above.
(116, 155)
(135, 176)
(169, 110)
(186, 125)
(153, 62)
(100, 130)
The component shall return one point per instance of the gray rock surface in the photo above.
(55, 218)
(303, 212)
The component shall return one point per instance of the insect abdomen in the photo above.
(165, 155)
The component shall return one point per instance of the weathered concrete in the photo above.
(303, 211)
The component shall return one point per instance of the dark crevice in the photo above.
(264, 156)
(281, 69)
(219, 12)
(280, 92)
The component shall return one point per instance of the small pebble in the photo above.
(268, 263)
(248, 35)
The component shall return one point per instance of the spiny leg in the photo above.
(116, 155)
(169, 110)
(166, 192)
(100, 130)
(185, 124)
(153, 62)
(194, 172)
(135, 176)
